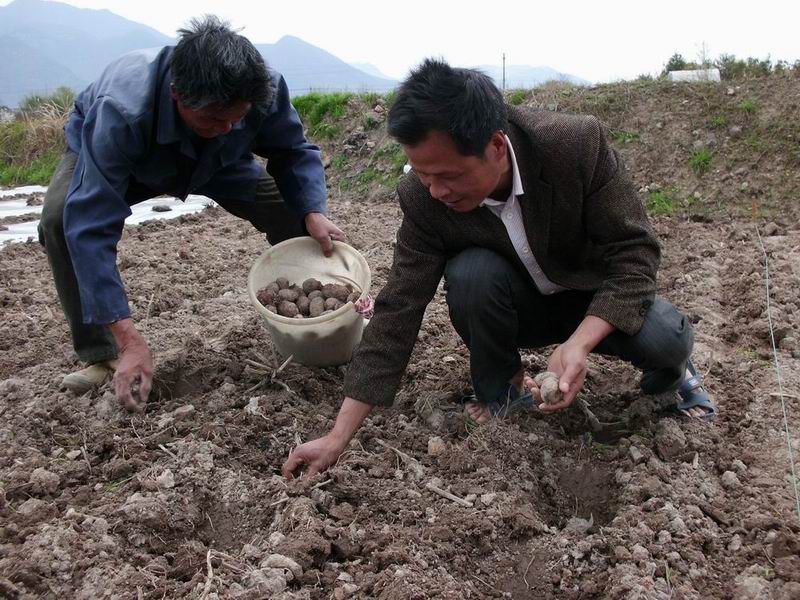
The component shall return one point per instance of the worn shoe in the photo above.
(90, 378)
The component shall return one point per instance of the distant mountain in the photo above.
(25, 69)
(370, 69)
(44, 45)
(308, 68)
(524, 76)
(72, 45)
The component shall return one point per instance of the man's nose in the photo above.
(438, 190)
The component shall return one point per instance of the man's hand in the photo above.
(323, 452)
(568, 360)
(321, 229)
(316, 455)
(134, 376)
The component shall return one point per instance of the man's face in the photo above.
(460, 182)
(212, 120)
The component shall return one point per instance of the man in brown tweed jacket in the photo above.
(541, 238)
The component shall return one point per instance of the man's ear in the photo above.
(498, 147)
(174, 92)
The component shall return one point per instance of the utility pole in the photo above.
(504, 71)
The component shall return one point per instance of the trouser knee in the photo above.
(51, 221)
(666, 338)
(661, 348)
(51, 227)
(474, 280)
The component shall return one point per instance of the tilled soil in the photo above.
(186, 499)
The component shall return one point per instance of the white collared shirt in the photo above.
(510, 213)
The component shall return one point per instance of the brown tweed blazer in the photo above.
(584, 221)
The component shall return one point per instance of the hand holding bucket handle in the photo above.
(324, 231)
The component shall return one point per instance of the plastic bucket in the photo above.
(321, 341)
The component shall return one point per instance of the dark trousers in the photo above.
(496, 311)
(94, 343)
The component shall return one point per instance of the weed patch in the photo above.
(662, 202)
(517, 97)
(748, 105)
(624, 137)
(700, 161)
(718, 121)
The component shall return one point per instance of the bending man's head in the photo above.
(217, 75)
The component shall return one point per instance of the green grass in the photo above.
(393, 153)
(624, 137)
(370, 122)
(117, 484)
(370, 176)
(748, 105)
(339, 162)
(700, 161)
(13, 137)
(718, 121)
(37, 172)
(314, 107)
(370, 98)
(385, 169)
(62, 100)
(517, 97)
(663, 202)
(324, 130)
(31, 148)
(390, 98)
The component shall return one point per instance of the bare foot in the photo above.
(480, 413)
(696, 412)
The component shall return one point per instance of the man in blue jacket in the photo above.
(180, 120)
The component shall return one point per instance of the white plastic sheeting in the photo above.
(21, 232)
(694, 75)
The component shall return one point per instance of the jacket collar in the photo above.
(169, 124)
(536, 202)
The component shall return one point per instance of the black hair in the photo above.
(464, 103)
(212, 64)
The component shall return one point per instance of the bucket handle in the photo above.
(345, 278)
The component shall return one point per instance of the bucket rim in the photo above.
(306, 321)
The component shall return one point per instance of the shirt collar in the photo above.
(516, 181)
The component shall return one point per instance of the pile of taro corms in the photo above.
(311, 299)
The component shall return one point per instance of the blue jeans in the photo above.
(497, 310)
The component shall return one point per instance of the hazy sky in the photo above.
(599, 41)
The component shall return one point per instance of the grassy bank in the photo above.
(31, 147)
(690, 148)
